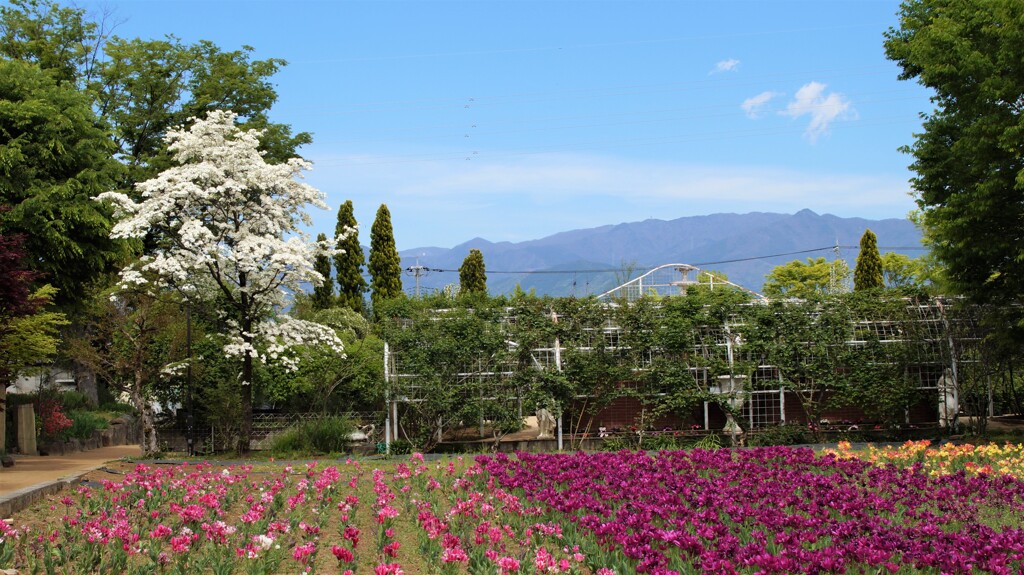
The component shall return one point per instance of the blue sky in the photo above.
(515, 120)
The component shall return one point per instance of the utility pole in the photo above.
(417, 271)
(833, 280)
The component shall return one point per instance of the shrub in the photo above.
(330, 434)
(709, 441)
(289, 441)
(659, 442)
(401, 447)
(74, 401)
(16, 399)
(616, 443)
(117, 407)
(785, 434)
(51, 423)
(84, 423)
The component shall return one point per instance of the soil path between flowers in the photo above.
(37, 470)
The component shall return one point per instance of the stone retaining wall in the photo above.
(119, 432)
(23, 498)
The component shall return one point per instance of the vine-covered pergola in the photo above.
(717, 352)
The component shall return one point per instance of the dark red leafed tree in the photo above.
(15, 301)
(15, 281)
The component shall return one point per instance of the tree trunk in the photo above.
(85, 376)
(1013, 390)
(246, 320)
(3, 416)
(245, 427)
(147, 418)
(85, 381)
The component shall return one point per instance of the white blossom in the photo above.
(230, 226)
(174, 369)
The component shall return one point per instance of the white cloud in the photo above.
(726, 66)
(755, 105)
(446, 202)
(811, 100)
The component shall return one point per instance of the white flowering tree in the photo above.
(227, 225)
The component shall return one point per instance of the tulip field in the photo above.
(909, 509)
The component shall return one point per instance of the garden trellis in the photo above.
(880, 360)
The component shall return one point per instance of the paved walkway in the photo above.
(36, 470)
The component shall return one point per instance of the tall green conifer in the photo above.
(472, 274)
(349, 265)
(868, 273)
(385, 265)
(323, 294)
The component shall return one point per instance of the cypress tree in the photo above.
(349, 265)
(868, 273)
(385, 265)
(472, 275)
(323, 294)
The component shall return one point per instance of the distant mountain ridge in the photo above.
(592, 261)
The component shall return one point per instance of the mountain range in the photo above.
(591, 261)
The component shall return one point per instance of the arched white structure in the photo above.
(666, 280)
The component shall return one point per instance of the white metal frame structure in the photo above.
(941, 340)
(666, 280)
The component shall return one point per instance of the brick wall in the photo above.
(625, 412)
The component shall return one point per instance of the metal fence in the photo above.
(220, 436)
(265, 426)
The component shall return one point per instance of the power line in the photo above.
(698, 264)
(765, 257)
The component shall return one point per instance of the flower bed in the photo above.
(765, 510)
(947, 459)
(772, 510)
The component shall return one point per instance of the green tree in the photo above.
(693, 349)
(385, 265)
(327, 381)
(142, 88)
(712, 277)
(56, 38)
(145, 87)
(223, 179)
(323, 294)
(28, 337)
(28, 331)
(138, 92)
(593, 373)
(67, 82)
(54, 158)
(902, 271)
(868, 274)
(127, 344)
(30, 340)
(969, 183)
(454, 353)
(806, 280)
(29, 327)
(349, 262)
(807, 342)
(472, 274)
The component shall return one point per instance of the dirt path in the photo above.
(30, 470)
